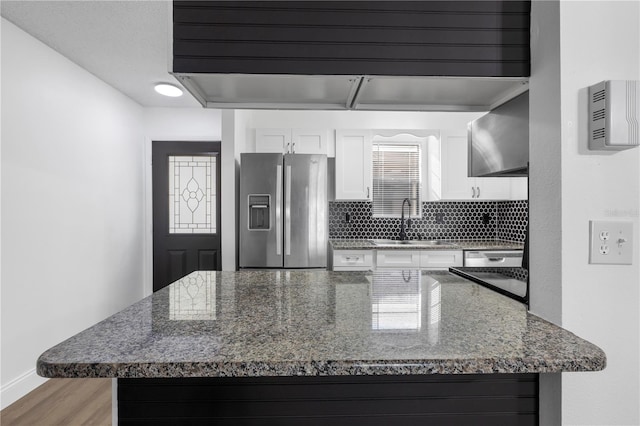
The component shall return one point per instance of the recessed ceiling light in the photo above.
(167, 89)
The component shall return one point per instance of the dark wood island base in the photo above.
(460, 399)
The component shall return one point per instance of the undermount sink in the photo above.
(409, 242)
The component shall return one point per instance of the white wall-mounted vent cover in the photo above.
(614, 115)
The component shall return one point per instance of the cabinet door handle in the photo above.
(478, 191)
(293, 148)
(367, 192)
(288, 146)
(473, 189)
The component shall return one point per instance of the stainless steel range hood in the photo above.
(499, 141)
(351, 92)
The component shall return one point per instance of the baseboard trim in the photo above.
(19, 387)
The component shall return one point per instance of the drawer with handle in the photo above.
(440, 259)
(401, 259)
(354, 260)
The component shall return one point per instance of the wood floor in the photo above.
(67, 402)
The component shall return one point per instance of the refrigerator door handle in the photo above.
(287, 212)
(278, 209)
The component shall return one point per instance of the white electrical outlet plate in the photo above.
(611, 242)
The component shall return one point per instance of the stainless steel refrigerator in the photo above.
(283, 211)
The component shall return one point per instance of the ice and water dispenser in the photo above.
(259, 212)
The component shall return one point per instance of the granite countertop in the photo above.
(488, 245)
(442, 245)
(319, 323)
(352, 244)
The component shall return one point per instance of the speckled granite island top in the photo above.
(304, 323)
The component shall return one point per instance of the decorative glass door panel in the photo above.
(192, 194)
(193, 298)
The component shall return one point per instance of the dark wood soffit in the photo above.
(460, 38)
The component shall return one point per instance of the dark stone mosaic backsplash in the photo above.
(513, 217)
(451, 220)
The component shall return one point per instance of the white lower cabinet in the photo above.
(352, 260)
(363, 260)
(418, 259)
(440, 259)
(398, 259)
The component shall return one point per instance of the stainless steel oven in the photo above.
(500, 270)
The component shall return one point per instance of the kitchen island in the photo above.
(339, 347)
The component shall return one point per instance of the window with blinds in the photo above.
(397, 174)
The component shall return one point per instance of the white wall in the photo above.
(234, 130)
(545, 186)
(600, 303)
(173, 124)
(183, 124)
(574, 45)
(72, 215)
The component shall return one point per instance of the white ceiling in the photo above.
(124, 43)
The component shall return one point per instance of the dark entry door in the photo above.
(186, 209)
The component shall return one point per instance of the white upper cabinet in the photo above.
(273, 140)
(456, 184)
(519, 188)
(309, 141)
(446, 163)
(353, 165)
(493, 188)
(292, 141)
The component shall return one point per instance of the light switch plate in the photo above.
(611, 242)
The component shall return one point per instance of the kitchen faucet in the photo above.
(403, 234)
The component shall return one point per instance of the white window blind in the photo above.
(397, 174)
(396, 300)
